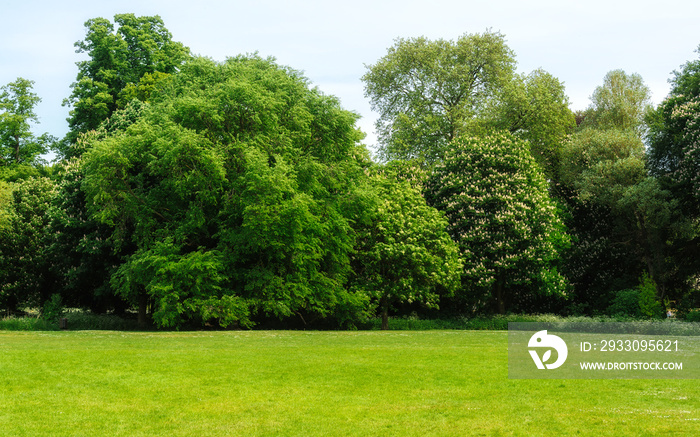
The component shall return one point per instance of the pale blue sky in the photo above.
(332, 41)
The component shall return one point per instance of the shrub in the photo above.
(26, 324)
(626, 303)
(649, 306)
(693, 316)
(85, 320)
(53, 309)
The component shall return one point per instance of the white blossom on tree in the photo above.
(496, 200)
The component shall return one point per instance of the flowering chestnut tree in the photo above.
(675, 147)
(496, 200)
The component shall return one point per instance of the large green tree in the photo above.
(120, 55)
(429, 92)
(497, 202)
(674, 158)
(623, 219)
(83, 253)
(81, 249)
(620, 217)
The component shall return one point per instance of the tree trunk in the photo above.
(384, 303)
(143, 305)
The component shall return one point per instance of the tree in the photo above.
(592, 154)
(674, 158)
(674, 154)
(404, 253)
(82, 252)
(26, 270)
(118, 59)
(497, 203)
(535, 108)
(429, 92)
(596, 167)
(285, 242)
(620, 103)
(227, 189)
(622, 218)
(625, 221)
(18, 145)
(152, 185)
(601, 161)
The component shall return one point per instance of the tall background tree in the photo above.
(535, 108)
(429, 92)
(620, 103)
(18, 144)
(673, 138)
(120, 54)
(622, 219)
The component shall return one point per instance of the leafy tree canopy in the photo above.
(120, 55)
(497, 203)
(428, 92)
(18, 145)
(623, 219)
(404, 253)
(620, 103)
(599, 162)
(674, 138)
(26, 270)
(674, 158)
(535, 108)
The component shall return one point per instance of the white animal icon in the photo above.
(543, 340)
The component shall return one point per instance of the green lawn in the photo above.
(312, 383)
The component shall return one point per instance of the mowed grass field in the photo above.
(292, 383)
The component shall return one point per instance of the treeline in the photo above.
(234, 193)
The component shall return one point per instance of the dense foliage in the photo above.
(120, 55)
(26, 273)
(497, 202)
(429, 92)
(20, 149)
(404, 253)
(234, 194)
(674, 138)
(239, 191)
